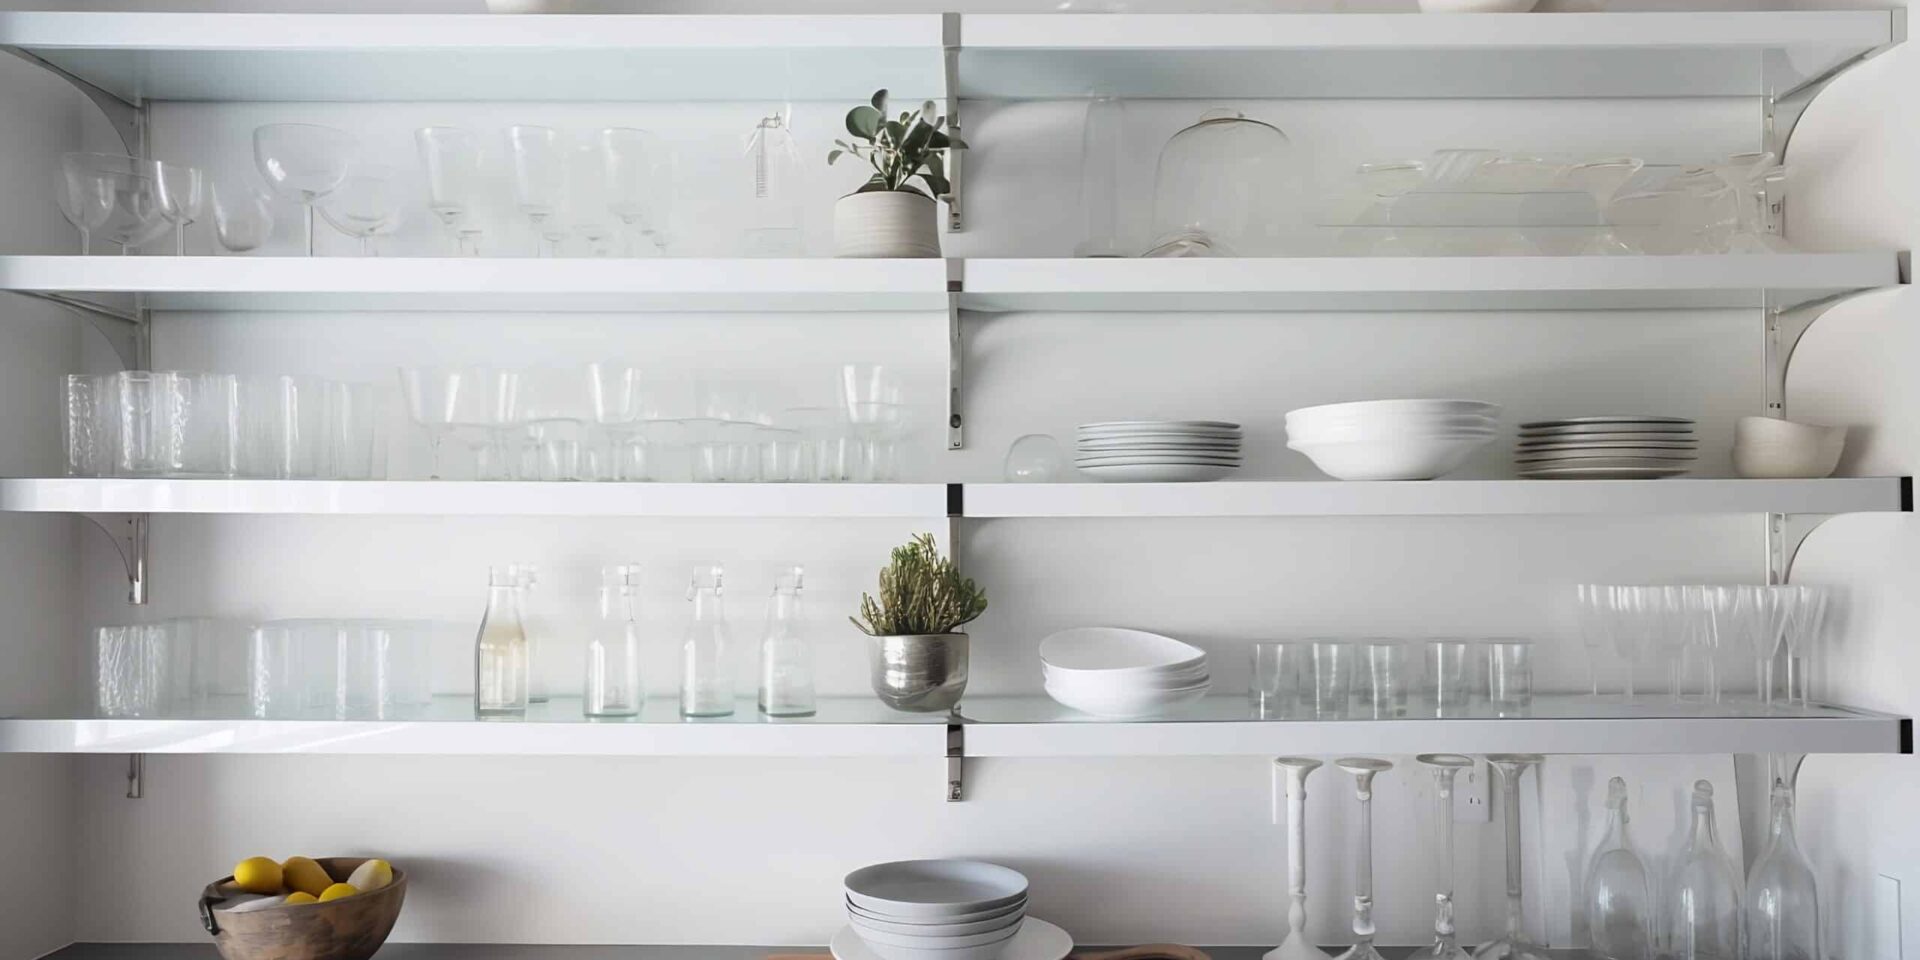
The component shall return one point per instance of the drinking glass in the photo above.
(1635, 616)
(351, 438)
(125, 188)
(1383, 684)
(366, 204)
(786, 652)
(282, 426)
(242, 216)
(451, 156)
(1514, 944)
(153, 407)
(1703, 892)
(1450, 676)
(1297, 945)
(433, 399)
(1510, 675)
(293, 668)
(131, 671)
(83, 199)
(363, 689)
(552, 410)
(1036, 458)
(632, 158)
(409, 650)
(303, 162)
(92, 407)
(1279, 669)
(206, 409)
(1332, 679)
(539, 156)
(488, 412)
(1773, 609)
(872, 396)
(183, 198)
(1446, 766)
(1364, 769)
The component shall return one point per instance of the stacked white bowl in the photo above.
(1123, 674)
(1392, 439)
(936, 909)
(1773, 448)
(1146, 451)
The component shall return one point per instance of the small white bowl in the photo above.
(860, 919)
(1478, 408)
(1768, 448)
(934, 889)
(1116, 650)
(1400, 458)
(1000, 914)
(1126, 706)
(877, 937)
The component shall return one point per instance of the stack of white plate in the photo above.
(936, 909)
(1112, 672)
(1392, 439)
(1148, 451)
(1607, 448)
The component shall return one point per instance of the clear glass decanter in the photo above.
(786, 653)
(1618, 898)
(1781, 917)
(1702, 901)
(500, 651)
(706, 679)
(1446, 767)
(538, 628)
(613, 689)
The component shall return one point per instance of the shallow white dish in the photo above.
(1106, 649)
(940, 889)
(1097, 684)
(1001, 914)
(1037, 940)
(1603, 473)
(1149, 424)
(1012, 917)
(1381, 435)
(1612, 440)
(1133, 704)
(878, 938)
(1659, 457)
(1411, 458)
(1414, 405)
(1194, 443)
(1158, 473)
(1161, 459)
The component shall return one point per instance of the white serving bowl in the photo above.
(1103, 685)
(1401, 458)
(1772, 430)
(875, 936)
(860, 918)
(1349, 433)
(934, 889)
(1116, 650)
(1478, 408)
(1365, 418)
(1767, 448)
(1129, 705)
(997, 914)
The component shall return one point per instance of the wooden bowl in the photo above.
(352, 928)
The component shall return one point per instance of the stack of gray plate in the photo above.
(1149, 451)
(1607, 448)
(936, 909)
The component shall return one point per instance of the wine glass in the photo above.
(539, 169)
(366, 204)
(1773, 606)
(638, 176)
(451, 157)
(183, 198)
(83, 199)
(488, 412)
(433, 401)
(1594, 617)
(586, 212)
(303, 162)
(126, 187)
(1363, 769)
(242, 216)
(1514, 944)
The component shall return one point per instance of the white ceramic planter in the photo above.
(887, 223)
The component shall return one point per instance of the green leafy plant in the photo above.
(921, 592)
(900, 151)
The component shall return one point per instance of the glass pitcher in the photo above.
(786, 652)
(613, 688)
(1618, 902)
(706, 679)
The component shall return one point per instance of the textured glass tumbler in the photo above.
(1510, 674)
(1382, 683)
(1332, 679)
(1450, 676)
(1279, 667)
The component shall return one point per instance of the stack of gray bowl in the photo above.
(936, 909)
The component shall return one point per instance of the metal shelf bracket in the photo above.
(128, 332)
(956, 158)
(128, 531)
(956, 356)
(136, 776)
(1783, 332)
(129, 119)
(1788, 97)
(1785, 533)
(956, 760)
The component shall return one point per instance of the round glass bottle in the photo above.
(1702, 902)
(1781, 916)
(1618, 901)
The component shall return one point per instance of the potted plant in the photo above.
(889, 216)
(919, 661)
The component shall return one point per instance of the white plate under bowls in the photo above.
(1037, 940)
(1000, 914)
(865, 921)
(1150, 461)
(1630, 440)
(1184, 443)
(1127, 704)
(1158, 473)
(933, 889)
(879, 938)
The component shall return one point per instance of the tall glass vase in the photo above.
(1101, 149)
(1618, 897)
(1446, 766)
(1363, 769)
(1780, 919)
(1702, 900)
(1514, 945)
(1297, 945)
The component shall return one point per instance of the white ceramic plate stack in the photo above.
(1392, 439)
(935, 909)
(1151, 451)
(1122, 674)
(1607, 448)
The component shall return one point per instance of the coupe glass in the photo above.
(1364, 769)
(632, 157)
(1515, 944)
(1619, 901)
(1703, 893)
(451, 156)
(1446, 766)
(1036, 458)
(1225, 184)
(303, 162)
(1781, 914)
(366, 204)
(539, 157)
(1297, 945)
(433, 398)
(242, 216)
(84, 200)
(183, 198)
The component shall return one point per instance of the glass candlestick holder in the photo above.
(1514, 944)
(1297, 945)
(1364, 769)
(1446, 766)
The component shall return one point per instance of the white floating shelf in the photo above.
(996, 727)
(1424, 283)
(1692, 54)
(469, 498)
(390, 57)
(490, 284)
(1437, 498)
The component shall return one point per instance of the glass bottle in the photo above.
(706, 680)
(1514, 944)
(1618, 900)
(537, 627)
(774, 204)
(1363, 769)
(1702, 902)
(1781, 917)
(1446, 766)
(786, 653)
(500, 651)
(613, 688)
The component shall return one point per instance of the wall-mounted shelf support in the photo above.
(136, 776)
(129, 119)
(1785, 533)
(956, 159)
(956, 357)
(126, 331)
(1783, 332)
(956, 762)
(1787, 101)
(128, 531)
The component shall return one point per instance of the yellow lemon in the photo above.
(371, 876)
(300, 897)
(305, 875)
(337, 891)
(257, 875)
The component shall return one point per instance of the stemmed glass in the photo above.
(1592, 611)
(870, 396)
(1363, 769)
(451, 157)
(489, 408)
(126, 188)
(639, 175)
(539, 174)
(1774, 605)
(1515, 945)
(586, 213)
(84, 198)
(614, 394)
(1805, 619)
(433, 401)
(366, 204)
(1297, 945)
(242, 216)
(183, 198)
(303, 162)
(1445, 767)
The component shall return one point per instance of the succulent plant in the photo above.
(921, 592)
(900, 151)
